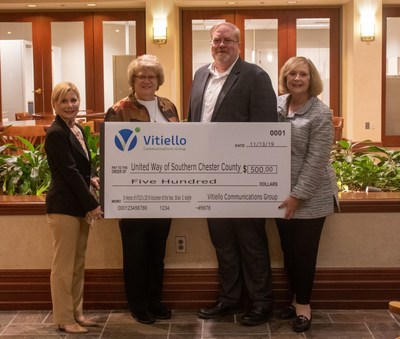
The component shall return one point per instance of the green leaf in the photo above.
(358, 165)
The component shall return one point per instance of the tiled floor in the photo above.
(354, 324)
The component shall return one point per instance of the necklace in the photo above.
(294, 107)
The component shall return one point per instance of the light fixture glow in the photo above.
(367, 28)
(160, 31)
(91, 5)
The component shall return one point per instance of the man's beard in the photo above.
(223, 57)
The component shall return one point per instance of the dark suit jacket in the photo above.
(246, 96)
(70, 172)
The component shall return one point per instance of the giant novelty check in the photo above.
(192, 170)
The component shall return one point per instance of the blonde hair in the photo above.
(143, 63)
(61, 90)
(316, 86)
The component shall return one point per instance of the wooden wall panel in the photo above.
(190, 289)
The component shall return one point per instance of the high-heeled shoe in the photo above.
(85, 322)
(74, 328)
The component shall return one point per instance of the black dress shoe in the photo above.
(288, 312)
(217, 311)
(256, 316)
(301, 323)
(144, 317)
(160, 312)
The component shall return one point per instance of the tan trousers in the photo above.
(70, 236)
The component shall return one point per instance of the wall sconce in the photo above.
(160, 31)
(367, 28)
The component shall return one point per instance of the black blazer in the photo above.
(70, 172)
(246, 96)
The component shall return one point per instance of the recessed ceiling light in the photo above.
(91, 5)
(31, 6)
(9, 32)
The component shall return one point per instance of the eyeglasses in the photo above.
(146, 77)
(227, 42)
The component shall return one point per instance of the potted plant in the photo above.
(359, 166)
(28, 173)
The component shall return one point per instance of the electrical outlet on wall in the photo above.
(180, 244)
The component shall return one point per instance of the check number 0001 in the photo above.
(277, 132)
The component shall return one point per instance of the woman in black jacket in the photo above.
(70, 208)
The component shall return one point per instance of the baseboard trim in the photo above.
(189, 289)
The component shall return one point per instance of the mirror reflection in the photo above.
(392, 123)
(119, 49)
(262, 46)
(313, 43)
(68, 55)
(16, 65)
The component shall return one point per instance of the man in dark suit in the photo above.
(232, 90)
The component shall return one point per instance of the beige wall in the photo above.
(361, 74)
(348, 240)
(168, 53)
(361, 65)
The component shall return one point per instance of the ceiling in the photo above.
(116, 4)
(41, 5)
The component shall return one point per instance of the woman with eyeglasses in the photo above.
(144, 240)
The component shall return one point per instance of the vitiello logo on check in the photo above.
(126, 140)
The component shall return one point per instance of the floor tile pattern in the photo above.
(118, 324)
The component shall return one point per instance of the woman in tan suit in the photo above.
(70, 207)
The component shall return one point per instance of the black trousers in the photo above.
(143, 245)
(242, 251)
(300, 241)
